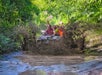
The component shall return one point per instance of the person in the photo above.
(61, 31)
(47, 34)
(49, 30)
(56, 30)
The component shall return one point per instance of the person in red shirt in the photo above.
(49, 30)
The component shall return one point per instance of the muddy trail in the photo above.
(18, 63)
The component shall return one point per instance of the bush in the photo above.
(7, 44)
(26, 36)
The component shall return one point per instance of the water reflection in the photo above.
(40, 72)
(13, 66)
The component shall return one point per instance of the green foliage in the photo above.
(71, 10)
(7, 44)
(62, 10)
(89, 52)
(13, 12)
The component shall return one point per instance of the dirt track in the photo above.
(51, 60)
(40, 60)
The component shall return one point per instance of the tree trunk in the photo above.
(83, 43)
(25, 44)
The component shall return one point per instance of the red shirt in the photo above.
(49, 31)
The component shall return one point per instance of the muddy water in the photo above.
(35, 65)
